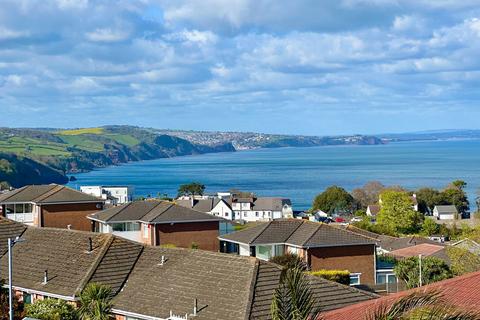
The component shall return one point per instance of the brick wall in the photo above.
(356, 259)
(61, 215)
(204, 234)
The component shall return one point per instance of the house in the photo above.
(111, 194)
(261, 209)
(159, 223)
(468, 244)
(423, 249)
(215, 206)
(445, 212)
(321, 246)
(50, 206)
(373, 210)
(460, 292)
(153, 283)
(250, 208)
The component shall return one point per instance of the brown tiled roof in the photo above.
(462, 292)
(47, 194)
(425, 249)
(151, 211)
(9, 229)
(392, 243)
(297, 232)
(328, 295)
(374, 209)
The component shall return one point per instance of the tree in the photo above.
(293, 299)
(95, 302)
(4, 307)
(433, 270)
(51, 309)
(397, 214)
(421, 305)
(455, 194)
(191, 189)
(430, 227)
(428, 198)
(368, 194)
(462, 260)
(333, 199)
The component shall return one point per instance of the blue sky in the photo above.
(305, 66)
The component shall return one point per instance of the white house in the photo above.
(261, 209)
(212, 205)
(445, 212)
(112, 194)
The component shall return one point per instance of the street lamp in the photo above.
(11, 243)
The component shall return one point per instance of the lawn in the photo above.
(123, 139)
(81, 142)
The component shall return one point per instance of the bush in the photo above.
(340, 276)
(289, 261)
(51, 309)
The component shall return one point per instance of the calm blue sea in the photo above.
(301, 173)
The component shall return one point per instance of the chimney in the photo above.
(192, 201)
(45, 277)
(162, 262)
(69, 226)
(195, 306)
(90, 245)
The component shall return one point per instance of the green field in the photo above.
(123, 139)
(26, 146)
(82, 142)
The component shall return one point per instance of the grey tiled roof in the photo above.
(297, 232)
(47, 194)
(9, 229)
(151, 211)
(446, 209)
(220, 282)
(202, 205)
(273, 204)
(328, 295)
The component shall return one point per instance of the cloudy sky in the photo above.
(303, 66)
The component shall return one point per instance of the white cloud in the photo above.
(107, 35)
(6, 33)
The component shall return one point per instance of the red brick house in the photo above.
(320, 245)
(160, 223)
(50, 206)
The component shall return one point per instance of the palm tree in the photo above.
(293, 299)
(95, 302)
(421, 306)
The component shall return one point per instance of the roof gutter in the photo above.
(135, 315)
(43, 293)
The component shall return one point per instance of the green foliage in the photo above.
(95, 302)
(455, 194)
(4, 308)
(428, 198)
(368, 194)
(360, 213)
(333, 199)
(421, 306)
(387, 258)
(293, 299)
(289, 261)
(51, 309)
(168, 245)
(462, 260)
(430, 227)
(397, 214)
(433, 270)
(340, 276)
(191, 189)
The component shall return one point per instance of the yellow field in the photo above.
(76, 132)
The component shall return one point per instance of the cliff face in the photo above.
(19, 171)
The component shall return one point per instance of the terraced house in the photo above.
(320, 245)
(50, 206)
(151, 283)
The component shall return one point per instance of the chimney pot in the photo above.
(45, 277)
(195, 306)
(90, 244)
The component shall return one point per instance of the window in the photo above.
(27, 298)
(145, 230)
(127, 226)
(10, 208)
(355, 279)
(264, 252)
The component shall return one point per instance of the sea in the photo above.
(302, 173)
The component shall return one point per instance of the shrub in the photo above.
(193, 245)
(168, 246)
(340, 276)
(289, 261)
(51, 309)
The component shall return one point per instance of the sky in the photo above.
(314, 67)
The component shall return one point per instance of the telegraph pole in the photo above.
(420, 269)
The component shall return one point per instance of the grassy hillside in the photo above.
(56, 153)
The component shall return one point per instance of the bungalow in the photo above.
(159, 223)
(445, 212)
(111, 194)
(50, 206)
(153, 283)
(321, 246)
